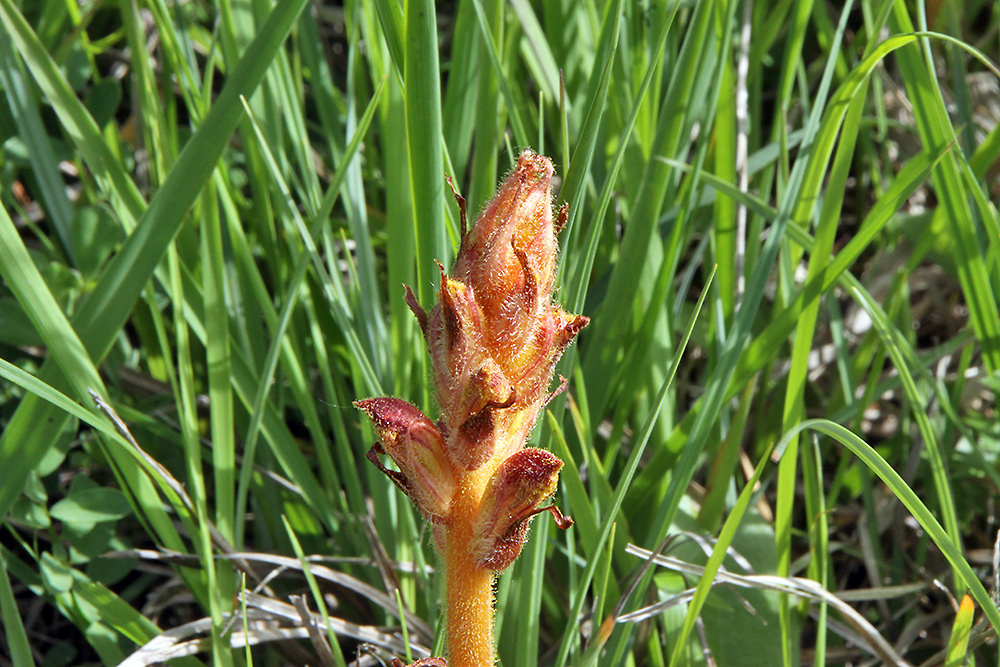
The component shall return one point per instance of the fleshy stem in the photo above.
(469, 608)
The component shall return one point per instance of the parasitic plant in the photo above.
(494, 337)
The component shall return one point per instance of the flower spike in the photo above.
(494, 337)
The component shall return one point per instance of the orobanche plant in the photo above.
(494, 337)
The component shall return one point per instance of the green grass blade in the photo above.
(577, 284)
(316, 593)
(795, 388)
(17, 639)
(649, 199)
(29, 287)
(76, 120)
(521, 137)
(760, 349)
(580, 164)
(422, 95)
(720, 380)
(894, 344)
(218, 359)
(906, 495)
(934, 127)
(334, 288)
(105, 311)
(958, 642)
(38, 146)
(722, 545)
(569, 635)
(543, 64)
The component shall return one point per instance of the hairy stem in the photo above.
(468, 587)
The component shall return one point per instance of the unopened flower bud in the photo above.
(414, 443)
(495, 335)
(512, 498)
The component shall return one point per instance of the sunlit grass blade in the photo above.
(19, 455)
(819, 532)
(580, 505)
(722, 544)
(909, 498)
(513, 109)
(795, 400)
(689, 431)
(334, 289)
(580, 269)
(569, 635)
(27, 284)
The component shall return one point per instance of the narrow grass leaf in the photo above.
(521, 137)
(317, 594)
(719, 551)
(103, 314)
(39, 148)
(909, 498)
(958, 641)
(73, 115)
(576, 285)
(17, 639)
(934, 127)
(569, 636)
(422, 98)
(580, 164)
(894, 344)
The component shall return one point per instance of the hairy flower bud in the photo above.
(515, 491)
(415, 445)
(494, 337)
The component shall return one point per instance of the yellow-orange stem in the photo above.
(468, 587)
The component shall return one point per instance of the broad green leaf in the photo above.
(91, 506)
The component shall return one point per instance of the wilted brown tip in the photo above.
(561, 218)
(563, 521)
(398, 478)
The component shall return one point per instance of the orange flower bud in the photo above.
(409, 438)
(512, 498)
(495, 336)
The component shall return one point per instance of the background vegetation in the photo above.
(208, 211)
